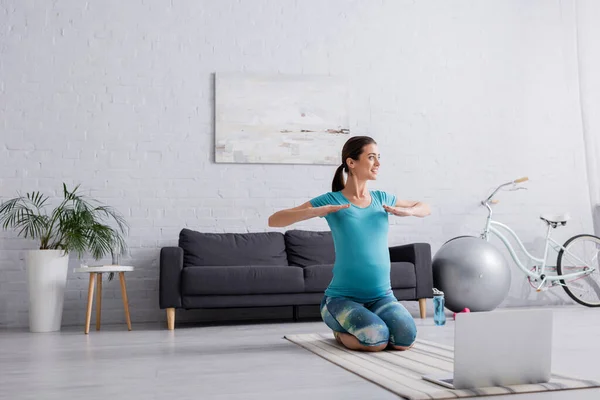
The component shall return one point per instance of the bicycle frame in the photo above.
(491, 227)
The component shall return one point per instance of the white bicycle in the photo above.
(577, 268)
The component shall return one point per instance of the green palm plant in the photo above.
(76, 225)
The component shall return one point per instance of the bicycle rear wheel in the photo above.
(584, 290)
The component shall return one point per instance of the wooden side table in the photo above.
(96, 272)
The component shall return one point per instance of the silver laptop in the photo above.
(500, 348)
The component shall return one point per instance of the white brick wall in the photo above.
(118, 96)
(588, 12)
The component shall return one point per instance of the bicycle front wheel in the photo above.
(581, 253)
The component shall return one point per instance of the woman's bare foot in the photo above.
(352, 343)
(337, 337)
(401, 348)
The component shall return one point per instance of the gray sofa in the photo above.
(226, 270)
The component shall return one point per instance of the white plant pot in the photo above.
(47, 279)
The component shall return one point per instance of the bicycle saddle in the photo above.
(555, 218)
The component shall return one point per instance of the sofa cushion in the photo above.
(306, 248)
(240, 280)
(403, 275)
(318, 277)
(216, 249)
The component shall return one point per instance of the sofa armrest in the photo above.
(171, 265)
(420, 255)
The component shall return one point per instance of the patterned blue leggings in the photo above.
(374, 323)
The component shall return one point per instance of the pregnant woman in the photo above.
(359, 305)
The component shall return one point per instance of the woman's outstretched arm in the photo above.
(409, 208)
(302, 212)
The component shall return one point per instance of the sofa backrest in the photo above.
(306, 248)
(225, 249)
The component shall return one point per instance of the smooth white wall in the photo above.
(118, 96)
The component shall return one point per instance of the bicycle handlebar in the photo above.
(520, 180)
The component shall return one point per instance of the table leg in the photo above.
(88, 315)
(98, 300)
(125, 302)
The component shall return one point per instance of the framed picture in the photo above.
(286, 119)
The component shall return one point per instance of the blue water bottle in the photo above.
(439, 316)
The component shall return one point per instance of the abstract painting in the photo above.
(276, 118)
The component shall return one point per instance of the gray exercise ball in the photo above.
(472, 273)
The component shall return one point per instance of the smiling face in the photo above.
(367, 165)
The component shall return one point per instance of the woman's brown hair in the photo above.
(353, 148)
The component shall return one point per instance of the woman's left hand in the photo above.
(398, 211)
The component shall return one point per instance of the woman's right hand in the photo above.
(325, 210)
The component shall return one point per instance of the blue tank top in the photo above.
(360, 235)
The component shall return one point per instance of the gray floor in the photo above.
(233, 362)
